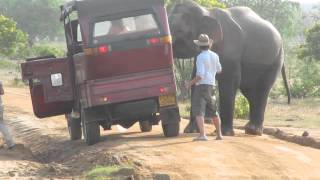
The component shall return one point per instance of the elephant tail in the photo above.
(286, 84)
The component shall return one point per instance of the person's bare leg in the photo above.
(6, 135)
(217, 124)
(200, 123)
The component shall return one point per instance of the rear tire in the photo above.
(170, 118)
(171, 130)
(145, 126)
(90, 128)
(74, 127)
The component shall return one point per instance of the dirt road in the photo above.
(48, 152)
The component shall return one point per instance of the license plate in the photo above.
(167, 100)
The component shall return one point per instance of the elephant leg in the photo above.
(257, 109)
(250, 94)
(192, 126)
(228, 84)
(253, 127)
(227, 100)
(258, 98)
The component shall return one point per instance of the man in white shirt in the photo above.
(208, 65)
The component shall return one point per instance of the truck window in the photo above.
(122, 28)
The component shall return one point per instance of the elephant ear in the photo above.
(212, 28)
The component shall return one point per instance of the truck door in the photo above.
(51, 85)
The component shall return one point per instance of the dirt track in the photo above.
(48, 152)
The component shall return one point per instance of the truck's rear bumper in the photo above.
(127, 88)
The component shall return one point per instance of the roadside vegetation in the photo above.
(110, 172)
(101, 172)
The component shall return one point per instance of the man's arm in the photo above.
(199, 74)
(193, 81)
(218, 65)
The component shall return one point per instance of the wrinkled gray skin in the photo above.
(250, 50)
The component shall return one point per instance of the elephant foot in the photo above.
(253, 129)
(191, 128)
(227, 132)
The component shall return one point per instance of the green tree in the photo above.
(306, 74)
(285, 15)
(12, 40)
(205, 3)
(311, 49)
(39, 18)
(307, 79)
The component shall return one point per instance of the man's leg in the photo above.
(217, 124)
(200, 123)
(4, 130)
(6, 135)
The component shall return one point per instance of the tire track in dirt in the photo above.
(48, 140)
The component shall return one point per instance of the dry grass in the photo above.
(10, 72)
(184, 108)
(301, 113)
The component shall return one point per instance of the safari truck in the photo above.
(118, 69)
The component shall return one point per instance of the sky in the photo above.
(307, 1)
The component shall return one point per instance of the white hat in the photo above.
(203, 40)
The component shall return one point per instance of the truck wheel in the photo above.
(90, 128)
(171, 130)
(74, 127)
(145, 126)
(170, 118)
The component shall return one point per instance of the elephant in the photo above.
(250, 50)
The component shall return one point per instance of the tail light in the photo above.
(153, 41)
(159, 40)
(163, 90)
(104, 49)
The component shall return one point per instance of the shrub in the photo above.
(241, 110)
(307, 81)
(101, 172)
(47, 50)
(6, 64)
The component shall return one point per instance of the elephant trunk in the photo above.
(286, 84)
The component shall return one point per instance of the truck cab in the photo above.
(118, 69)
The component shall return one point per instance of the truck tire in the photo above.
(170, 118)
(74, 127)
(145, 126)
(171, 130)
(90, 128)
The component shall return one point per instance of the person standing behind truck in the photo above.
(3, 128)
(208, 65)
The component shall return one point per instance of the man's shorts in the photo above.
(203, 101)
